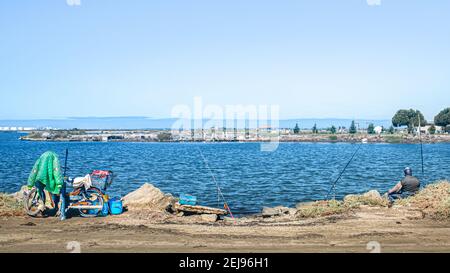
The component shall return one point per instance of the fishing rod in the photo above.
(342, 172)
(219, 191)
(65, 163)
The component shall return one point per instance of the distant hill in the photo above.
(150, 123)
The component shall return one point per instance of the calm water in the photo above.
(249, 178)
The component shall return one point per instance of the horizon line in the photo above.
(168, 118)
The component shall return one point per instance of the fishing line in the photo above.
(219, 191)
(342, 172)
(421, 154)
(65, 163)
(421, 146)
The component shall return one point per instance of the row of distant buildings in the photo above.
(211, 133)
(14, 129)
(426, 129)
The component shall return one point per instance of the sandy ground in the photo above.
(369, 228)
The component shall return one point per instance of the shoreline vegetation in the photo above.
(228, 136)
(433, 201)
(408, 126)
(418, 223)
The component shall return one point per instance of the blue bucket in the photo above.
(115, 206)
(186, 199)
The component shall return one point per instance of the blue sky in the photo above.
(316, 59)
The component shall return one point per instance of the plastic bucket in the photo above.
(115, 206)
(186, 199)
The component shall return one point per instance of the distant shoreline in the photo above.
(165, 136)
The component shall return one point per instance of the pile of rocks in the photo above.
(149, 197)
(327, 207)
(371, 198)
(277, 211)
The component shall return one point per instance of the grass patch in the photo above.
(9, 206)
(433, 200)
(367, 199)
(321, 208)
(332, 207)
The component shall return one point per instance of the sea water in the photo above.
(248, 177)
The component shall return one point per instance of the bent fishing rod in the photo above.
(219, 191)
(333, 186)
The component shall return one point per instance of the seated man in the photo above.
(405, 188)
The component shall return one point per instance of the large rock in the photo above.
(351, 198)
(19, 195)
(276, 211)
(303, 204)
(148, 197)
(211, 218)
(374, 195)
(229, 219)
(292, 211)
(371, 198)
(269, 212)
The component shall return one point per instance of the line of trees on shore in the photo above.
(413, 118)
(410, 118)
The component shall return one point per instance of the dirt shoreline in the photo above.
(359, 223)
(395, 229)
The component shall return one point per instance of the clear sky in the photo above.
(316, 59)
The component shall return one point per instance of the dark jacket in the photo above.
(410, 184)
